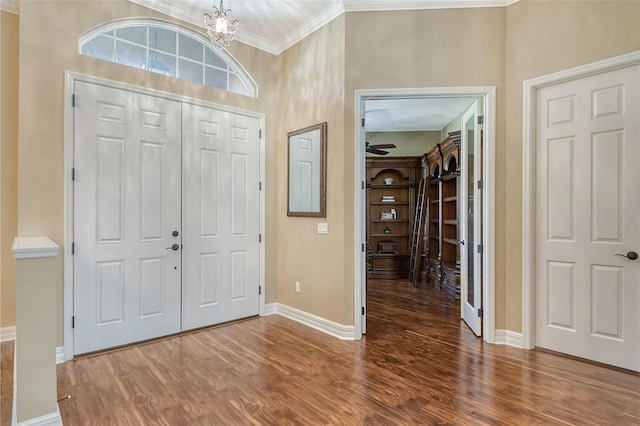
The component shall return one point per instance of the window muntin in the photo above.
(163, 49)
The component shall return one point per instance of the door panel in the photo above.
(126, 282)
(220, 216)
(470, 220)
(588, 204)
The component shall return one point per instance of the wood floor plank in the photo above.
(418, 364)
(6, 382)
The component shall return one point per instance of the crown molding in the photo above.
(389, 5)
(335, 9)
(10, 6)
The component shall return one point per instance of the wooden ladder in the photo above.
(416, 237)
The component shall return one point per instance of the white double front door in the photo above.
(588, 218)
(166, 217)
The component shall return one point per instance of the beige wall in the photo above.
(428, 48)
(315, 81)
(311, 85)
(407, 143)
(542, 38)
(8, 163)
(41, 140)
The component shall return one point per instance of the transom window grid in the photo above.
(166, 50)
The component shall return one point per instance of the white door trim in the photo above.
(70, 79)
(530, 88)
(488, 93)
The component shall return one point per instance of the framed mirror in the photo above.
(307, 177)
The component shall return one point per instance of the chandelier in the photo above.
(221, 27)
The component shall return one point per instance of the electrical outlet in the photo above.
(323, 228)
(297, 286)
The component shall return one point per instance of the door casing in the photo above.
(70, 79)
(530, 88)
(488, 94)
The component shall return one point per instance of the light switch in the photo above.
(323, 228)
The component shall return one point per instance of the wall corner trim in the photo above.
(34, 247)
(10, 6)
(509, 338)
(8, 333)
(343, 332)
(53, 419)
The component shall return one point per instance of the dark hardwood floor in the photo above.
(418, 364)
(6, 382)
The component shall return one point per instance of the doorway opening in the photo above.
(396, 255)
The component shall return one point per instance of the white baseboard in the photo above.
(8, 334)
(53, 419)
(509, 338)
(270, 309)
(59, 354)
(343, 332)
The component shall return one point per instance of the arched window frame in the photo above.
(233, 66)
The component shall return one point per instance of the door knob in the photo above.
(632, 255)
(175, 233)
(174, 247)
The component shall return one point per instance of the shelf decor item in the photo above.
(388, 181)
(387, 247)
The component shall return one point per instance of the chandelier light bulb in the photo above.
(221, 27)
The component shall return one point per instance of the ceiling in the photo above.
(412, 114)
(276, 25)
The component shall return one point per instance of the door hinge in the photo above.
(480, 313)
(481, 119)
(73, 174)
(363, 310)
(73, 100)
(73, 248)
(259, 238)
(362, 184)
(259, 186)
(480, 248)
(363, 248)
(363, 122)
(479, 184)
(259, 289)
(260, 134)
(73, 322)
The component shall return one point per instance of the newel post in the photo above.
(37, 272)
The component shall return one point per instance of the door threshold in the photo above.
(161, 338)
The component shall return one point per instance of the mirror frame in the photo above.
(322, 127)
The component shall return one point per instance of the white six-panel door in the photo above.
(126, 206)
(588, 214)
(221, 211)
(166, 217)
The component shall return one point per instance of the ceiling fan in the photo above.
(378, 149)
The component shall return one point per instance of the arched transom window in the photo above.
(166, 49)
